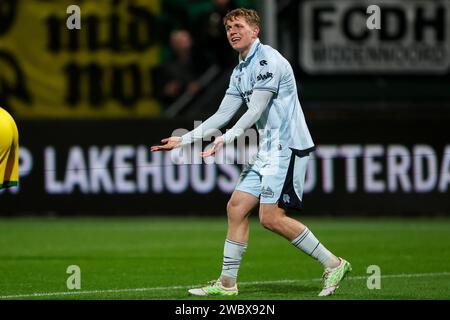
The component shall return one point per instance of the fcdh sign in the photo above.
(391, 36)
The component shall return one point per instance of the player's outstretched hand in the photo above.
(169, 144)
(217, 144)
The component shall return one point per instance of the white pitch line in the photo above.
(67, 293)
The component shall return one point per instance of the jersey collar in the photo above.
(251, 53)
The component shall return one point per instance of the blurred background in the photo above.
(375, 90)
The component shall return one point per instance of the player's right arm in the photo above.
(228, 107)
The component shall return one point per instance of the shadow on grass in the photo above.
(280, 291)
(279, 288)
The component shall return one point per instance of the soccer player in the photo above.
(264, 81)
(9, 151)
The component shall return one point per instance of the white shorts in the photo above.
(277, 180)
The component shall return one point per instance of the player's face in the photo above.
(241, 35)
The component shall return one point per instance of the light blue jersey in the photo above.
(282, 124)
(266, 82)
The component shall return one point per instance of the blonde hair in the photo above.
(250, 16)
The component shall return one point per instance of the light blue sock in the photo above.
(308, 243)
(232, 256)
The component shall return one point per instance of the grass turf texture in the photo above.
(165, 256)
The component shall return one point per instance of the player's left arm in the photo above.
(258, 103)
(267, 74)
(267, 81)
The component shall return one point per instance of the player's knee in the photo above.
(234, 210)
(232, 206)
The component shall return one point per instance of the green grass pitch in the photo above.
(160, 258)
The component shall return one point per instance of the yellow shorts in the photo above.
(9, 151)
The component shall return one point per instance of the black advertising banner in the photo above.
(364, 167)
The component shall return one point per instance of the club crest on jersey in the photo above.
(268, 75)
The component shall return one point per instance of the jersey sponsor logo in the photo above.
(268, 75)
(267, 192)
(263, 63)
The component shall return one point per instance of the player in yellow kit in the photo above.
(9, 151)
